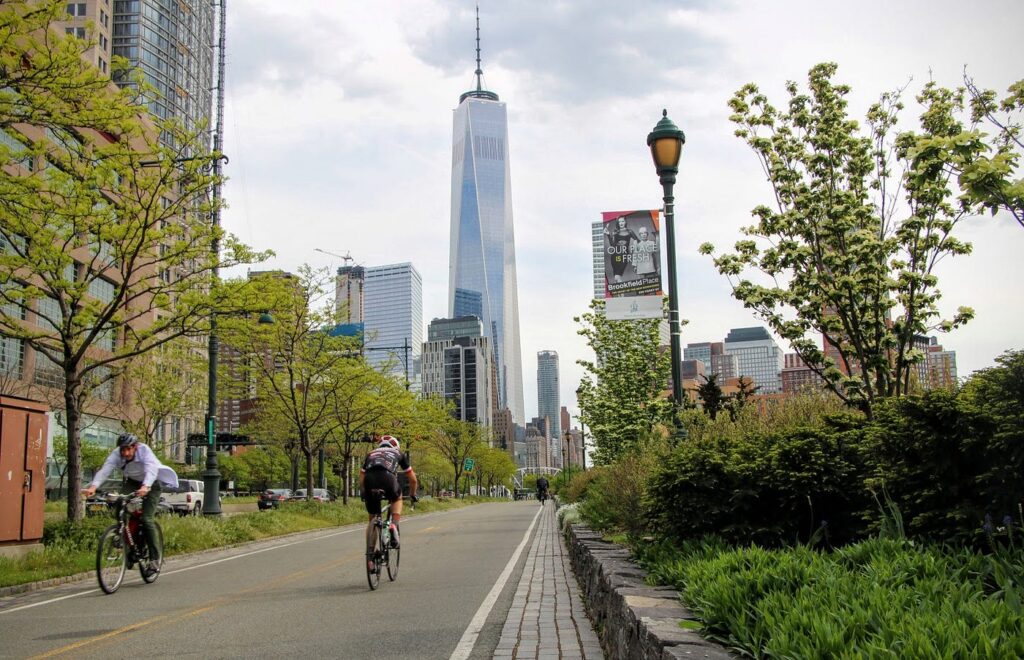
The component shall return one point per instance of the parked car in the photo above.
(272, 498)
(319, 495)
(187, 498)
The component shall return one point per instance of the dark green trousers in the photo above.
(149, 503)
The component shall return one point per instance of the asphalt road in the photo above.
(301, 596)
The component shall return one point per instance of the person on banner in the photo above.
(643, 252)
(620, 237)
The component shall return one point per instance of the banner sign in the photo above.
(632, 264)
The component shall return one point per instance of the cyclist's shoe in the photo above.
(151, 568)
(394, 537)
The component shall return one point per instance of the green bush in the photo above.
(946, 466)
(778, 488)
(613, 501)
(580, 484)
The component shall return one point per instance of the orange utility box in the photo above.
(22, 470)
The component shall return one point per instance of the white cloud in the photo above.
(339, 132)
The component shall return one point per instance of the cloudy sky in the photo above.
(339, 129)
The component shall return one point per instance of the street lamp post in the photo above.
(568, 456)
(666, 143)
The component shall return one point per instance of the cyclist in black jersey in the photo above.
(380, 472)
(542, 489)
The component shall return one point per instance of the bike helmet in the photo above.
(126, 440)
(388, 441)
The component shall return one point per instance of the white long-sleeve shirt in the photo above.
(145, 467)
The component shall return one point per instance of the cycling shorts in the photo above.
(379, 479)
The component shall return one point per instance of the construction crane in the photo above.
(347, 257)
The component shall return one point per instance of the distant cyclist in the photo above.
(143, 473)
(380, 472)
(542, 489)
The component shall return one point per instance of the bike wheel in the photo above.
(392, 562)
(110, 560)
(373, 576)
(150, 577)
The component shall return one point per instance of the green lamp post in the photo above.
(666, 143)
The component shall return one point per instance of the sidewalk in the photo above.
(547, 619)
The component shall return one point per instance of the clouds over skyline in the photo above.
(339, 131)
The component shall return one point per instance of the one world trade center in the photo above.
(482, 260)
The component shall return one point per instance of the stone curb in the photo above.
(636, 621)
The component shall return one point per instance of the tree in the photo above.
(92, 457)
(711, 396)
(985, 168)
(494, 466)
(363, 400)
(453, 439)
(736, 401)
(858, 224)
(294, 364)
(624, 394)
(105, 242)
(167, 382)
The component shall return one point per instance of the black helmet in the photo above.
(126, 440)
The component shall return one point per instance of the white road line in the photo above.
(182, 570)
(468, 641)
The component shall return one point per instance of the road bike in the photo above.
(383, 554)
(123, 544)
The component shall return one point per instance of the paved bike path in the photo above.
(547, 618)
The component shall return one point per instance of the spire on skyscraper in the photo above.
(479, 92)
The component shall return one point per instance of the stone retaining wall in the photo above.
(635, 621)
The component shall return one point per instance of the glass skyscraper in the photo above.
(547, 394)
(482, 258)
(393, 319)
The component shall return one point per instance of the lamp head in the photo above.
(666, 142)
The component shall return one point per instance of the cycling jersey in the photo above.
(386, 458)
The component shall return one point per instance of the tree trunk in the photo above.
(346, 477)
(294, 459)
(72, 415)
(309, 473)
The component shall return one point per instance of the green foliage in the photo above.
(104, 227)
(859, 220)
(986, 169)
(580, 485)
(711, 397)
(614, 495)
(944, 463)
(862, 601)
(772, 489)
(624, 394)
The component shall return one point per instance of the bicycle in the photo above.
(122, 545)
(383, 553)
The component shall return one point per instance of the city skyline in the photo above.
(584, 84)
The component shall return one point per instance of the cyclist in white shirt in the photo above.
(143, 474)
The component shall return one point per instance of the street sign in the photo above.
(468, 466)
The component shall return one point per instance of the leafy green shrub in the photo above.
(772, 489)
(934, 454)
(73, 537)
(580, 485)
(613, 498)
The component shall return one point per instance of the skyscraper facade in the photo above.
(457, 366)
(759, 357)
(349, 294)
(393, 319)
(482, 260)
(548, 404)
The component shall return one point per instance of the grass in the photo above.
(70, 549)
(863, 600)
